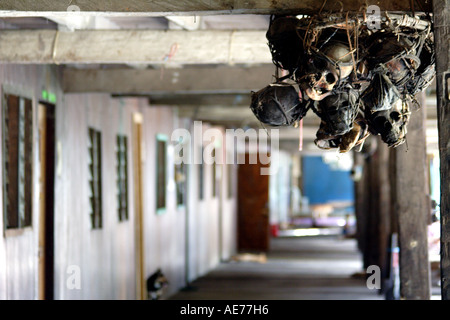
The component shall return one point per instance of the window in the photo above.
(17, 144)
(180, 180)
(95, 177)
(161, 162)
(122, 177)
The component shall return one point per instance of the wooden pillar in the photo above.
(363, 193)
(378, 208)
(384, 211)
(359, 191)
(372, 209)
(413, 211)
(441, 12)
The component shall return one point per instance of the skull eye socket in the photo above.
(330, 78)
(380, 122)
(395, 116)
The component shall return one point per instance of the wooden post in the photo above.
(362, 204)
(441, 12)
(384, 211)
(378, 209)
(359, 191)
(413, 211)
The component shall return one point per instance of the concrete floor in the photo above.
(297, 268)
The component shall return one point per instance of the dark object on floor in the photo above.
(155, 285)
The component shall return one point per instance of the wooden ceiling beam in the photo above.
(197, 7)
(221, 79)
(156, 47)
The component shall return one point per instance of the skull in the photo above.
(354, 137)
(323, 70)
(324, 140)
(399, 69)
(426, 72)
(278, 104)
(338, 111)
(383, 47)
(284, 42)
(381, 93)
(390, 124)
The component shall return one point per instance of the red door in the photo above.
(253, 207)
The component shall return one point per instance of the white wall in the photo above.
(279, 189)
(106, 258)
(19, 250)
(213, 232)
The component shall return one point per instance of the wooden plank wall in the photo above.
(106, 257)
(19, 250)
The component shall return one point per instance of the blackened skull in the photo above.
(390, 124)
(338, 111)
(381, 93)
(278, 104)
(285, 45)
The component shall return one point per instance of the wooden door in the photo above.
(46, 121)
(253, 207)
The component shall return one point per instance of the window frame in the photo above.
(161, 138)
(122, 178)
(96, 217)
(27, 221)
(183, 170)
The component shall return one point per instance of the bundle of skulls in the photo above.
(358, 79)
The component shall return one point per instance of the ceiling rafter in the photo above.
(174, 47)
(198, 7)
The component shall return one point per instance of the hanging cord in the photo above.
(168, 57)
(323, 5)
(300, 137)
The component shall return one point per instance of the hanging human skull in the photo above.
(355, 137)
(340, 54)
(390, 124)
(278, 104)
(382, 47)
(320, 78)
(322, 70)
(338, 111)
(381, 93)
(284, 43)
(359, 81)
(325, 140)
(401, 69)
(426, 72)
(345, 142)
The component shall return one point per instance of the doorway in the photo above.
(253, 207)
(46, 133)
